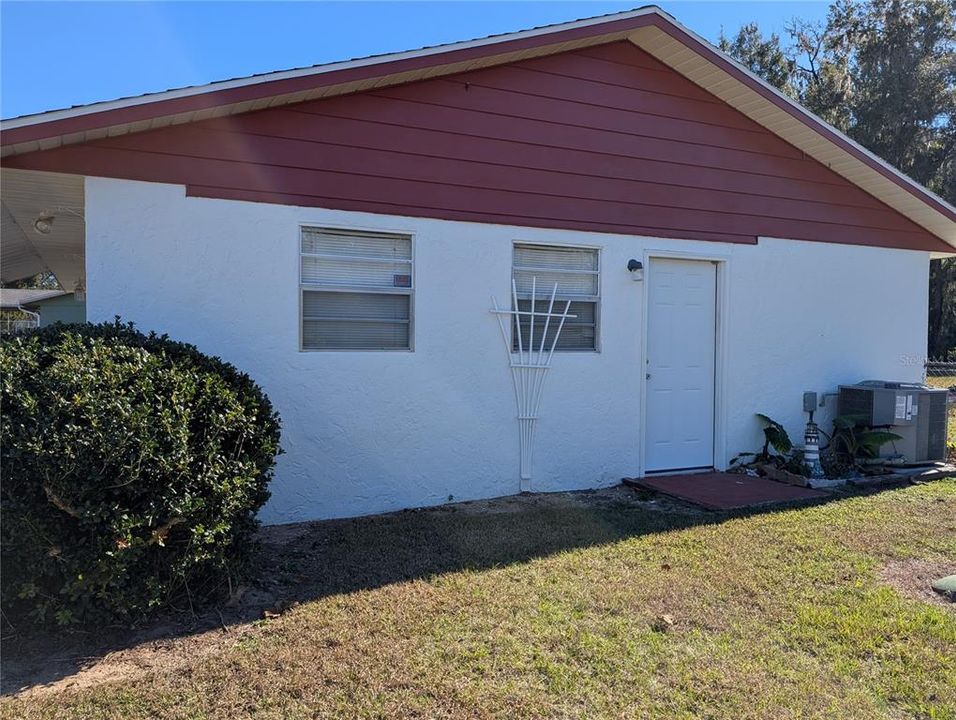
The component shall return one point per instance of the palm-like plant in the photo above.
(775, 436)
(853, 442)
(776, 444)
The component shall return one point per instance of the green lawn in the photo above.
(554, 608)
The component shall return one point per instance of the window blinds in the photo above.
(356, 290)
(576, 272)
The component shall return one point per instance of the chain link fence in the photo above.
(942, 373)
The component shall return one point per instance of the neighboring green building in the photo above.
(25, 307)
(63, 308)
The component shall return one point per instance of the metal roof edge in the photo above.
(50, 116)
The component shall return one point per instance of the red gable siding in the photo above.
(605, 139)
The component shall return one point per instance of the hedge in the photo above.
(133, 468)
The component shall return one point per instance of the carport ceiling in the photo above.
(26, 196)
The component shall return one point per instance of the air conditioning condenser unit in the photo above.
(915, 412)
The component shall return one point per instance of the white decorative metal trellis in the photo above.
(529, 366)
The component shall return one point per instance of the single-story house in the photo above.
(41, 307)
(346, 232)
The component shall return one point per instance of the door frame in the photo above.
(722, 263)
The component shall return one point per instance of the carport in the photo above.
(43, 227)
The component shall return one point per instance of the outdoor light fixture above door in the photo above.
(636, 268)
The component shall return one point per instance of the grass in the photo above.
(555, 609)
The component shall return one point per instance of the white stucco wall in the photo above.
(368, 432)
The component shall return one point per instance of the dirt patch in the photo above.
(47, 667)
(47, 663)
(914, 578)
(618, 495)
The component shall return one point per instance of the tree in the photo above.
(45, 280)
(884, 72)
(900, 57)
(765, 57)
(821, 75)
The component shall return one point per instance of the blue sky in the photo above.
(57, 54)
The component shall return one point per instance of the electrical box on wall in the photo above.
(915, 412)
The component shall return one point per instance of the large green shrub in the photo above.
(133, 467)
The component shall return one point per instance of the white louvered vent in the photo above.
(356, 290)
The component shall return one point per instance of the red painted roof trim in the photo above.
(39, 130)
(806, 118)
(229, 96)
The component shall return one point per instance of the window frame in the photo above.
(355, 289)
(596, 299)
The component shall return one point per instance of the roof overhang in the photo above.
(649, 28)
(47, 130)
(26, 297)
(699, 61)
(58, 246)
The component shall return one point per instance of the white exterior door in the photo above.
(681, 346)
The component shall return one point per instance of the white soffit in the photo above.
(18, 257)
(26, 195)
(779, 121)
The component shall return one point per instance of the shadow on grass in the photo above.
(308, 561)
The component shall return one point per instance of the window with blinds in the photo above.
(356, 290)
(577, 274)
